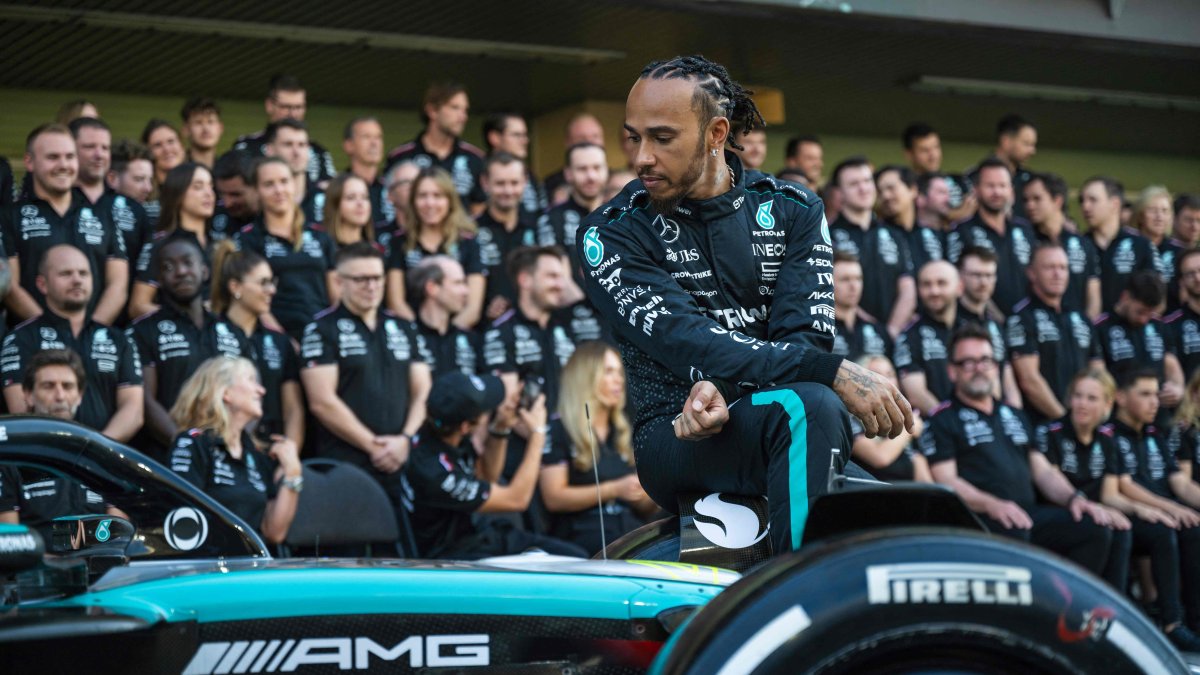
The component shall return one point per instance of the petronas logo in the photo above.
(102, 531)
(764, 218)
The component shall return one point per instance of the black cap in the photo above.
(457, 398)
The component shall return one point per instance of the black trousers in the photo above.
(1161, 544)
(777, 443)
(499, 537)
(1085, 543)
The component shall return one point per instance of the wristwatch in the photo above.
(295, 484)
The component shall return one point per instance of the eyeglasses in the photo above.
(363, 279)
(981, 363)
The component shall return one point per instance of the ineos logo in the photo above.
(185, 529)
(736, 526)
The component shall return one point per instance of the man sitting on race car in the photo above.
(718, 283)
(985, 451)
(446, 481)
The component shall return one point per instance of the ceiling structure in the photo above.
(853, 68)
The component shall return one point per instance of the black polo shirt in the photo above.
(1065, 341)
(1168, 252)
(561, 451)
(517, 344)
(131, 221)
(883, 251)
(1013, 248)
(924, 347)
(145, 269)
(924, 244)
(1184, 327)
(110, 360)
(557, 226)
(224, 226)
(1126, 346)
(465, 251)
(382, 210)
(991, 451)
(313, 205)
(31, 227)
(373, 372)
(320, 163)
(278, 363)
(1083, 265)
(1084, 464)
(1020, 177)
(584, 322)
(6, 182)
(464, 164)
(533, 199)
(455, 350)
(10, 488)
(1188, 450)
(169, 342)
(299, 272)
(244, 486)
(441, 492)
(495, 243)
(867, 338)
(1128, 252)
(1145, 456)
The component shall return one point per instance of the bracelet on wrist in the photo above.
(499, 433)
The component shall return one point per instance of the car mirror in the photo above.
(76, 536)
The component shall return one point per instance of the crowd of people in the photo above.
(420, 315)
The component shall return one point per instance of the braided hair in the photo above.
(717, 95)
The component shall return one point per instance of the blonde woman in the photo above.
(886, 458)
(215, 452)
(593, 377)
(437, 223)
(1152, 215)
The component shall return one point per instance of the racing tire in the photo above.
(658, 540)
(919, 600)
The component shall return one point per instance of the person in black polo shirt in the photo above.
(287, 139)
(444, 113)
(858, 333)
(447, 481)
(503, 226)
(1152, 216)
(977, 273)
(897, 187)
(985, 451)
(348, 211)
(53, 385)
(890, 294)
(215, 452)
(1122, 250)
(173, 341)
(202, 129)
(57, 214)
(243, 286)
(438, 223)
(1011, 239)
(166, 149)
(1132, 337)
(1184, 324)
(585, 171)
(113, 400)
(1086, 453)
(1045, 197)
(1016, 143)
(1151, 475)
(923, 150)
(6, 183)
(508, 132)
(187, 204)
(301, 257)
(363, 375)
(286, 98)
(921, 353)
(593, 395)
(237, 202)
(129, 181)
(440, 286)
(1048, 343)
(528, 342)
(362, 141)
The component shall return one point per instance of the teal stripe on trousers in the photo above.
(797, 455)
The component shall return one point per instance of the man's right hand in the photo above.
(1009, 515)
(704, 413)
(391, 452)
(876, 402)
